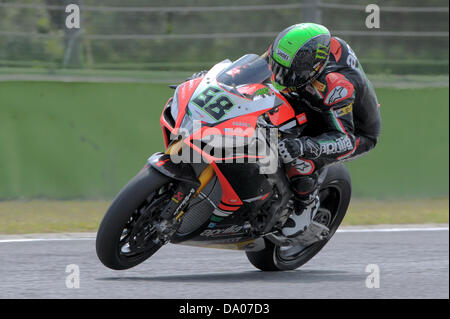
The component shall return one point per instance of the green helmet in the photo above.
(299, 54)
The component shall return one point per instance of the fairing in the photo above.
(227, 102)
(216, 99)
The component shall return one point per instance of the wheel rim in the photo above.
(326, 215)
(139, 235)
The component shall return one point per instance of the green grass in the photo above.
(412, 157)
(86, 140)
(39, 216)
(416, 211)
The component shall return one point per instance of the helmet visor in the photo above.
(286, 77)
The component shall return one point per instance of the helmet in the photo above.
(298, 55)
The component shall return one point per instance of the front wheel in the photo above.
(126, 236)
(334, 194)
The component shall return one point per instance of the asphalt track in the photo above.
(413, 263)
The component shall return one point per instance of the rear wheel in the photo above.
(127, 234)
(334, 193)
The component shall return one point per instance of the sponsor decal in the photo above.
(352, 61)
(235, 71)
(179, 195)
(322, 52)
(313, 148)
(336, 94)
(162, 162)
(289, 89)
(340, 145)
(185, 200)
(234, 229)
(264, 91)
(301, 118)
(283, 55)
(244, 124)
(319, 86)
(344, 110)
(304, 167)
(288, 125)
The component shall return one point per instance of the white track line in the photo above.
(24, 240)
(388, 230)
(362, 230)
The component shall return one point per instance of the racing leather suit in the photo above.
(343, 119)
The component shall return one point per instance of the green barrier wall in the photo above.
(86, 140)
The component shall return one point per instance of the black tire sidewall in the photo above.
(122, 207)
(267, 259)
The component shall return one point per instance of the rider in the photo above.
(322, 72)
(311, 68)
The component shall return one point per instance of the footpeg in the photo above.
(313, 233)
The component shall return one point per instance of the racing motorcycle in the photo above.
(227, 199)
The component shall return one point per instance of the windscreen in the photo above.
(250, 69)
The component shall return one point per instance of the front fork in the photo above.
(189, 186)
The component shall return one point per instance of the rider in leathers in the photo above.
(322, 72)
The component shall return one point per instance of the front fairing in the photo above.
(224, 92)
(226, 103)
(229, 98)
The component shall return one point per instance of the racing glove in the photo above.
(292, 148)
(289, 149)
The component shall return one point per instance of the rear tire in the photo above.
(334, 193)
(124, 205)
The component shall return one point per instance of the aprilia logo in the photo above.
(342, 144)
(217, 232)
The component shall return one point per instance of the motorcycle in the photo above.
(234, 197)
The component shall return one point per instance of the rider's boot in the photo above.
(301, 227)
(302, 216)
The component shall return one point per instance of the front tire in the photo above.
(127, 205)
(335, 194)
